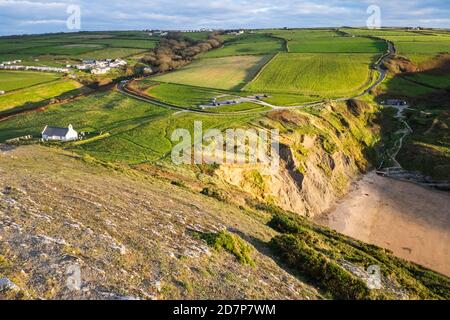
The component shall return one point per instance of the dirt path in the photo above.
(410, 220)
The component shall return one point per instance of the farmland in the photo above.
(326, 75)
(13, 80)
(253, 44)
(138, 131)
(228, 73)
(25, 98)
(57, 49)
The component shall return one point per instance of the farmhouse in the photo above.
(59, 134)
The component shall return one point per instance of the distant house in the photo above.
(2, 92)
(59, 134)
(396, 102)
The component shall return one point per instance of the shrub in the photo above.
(224, 240)
(329, 275)
(214, 193)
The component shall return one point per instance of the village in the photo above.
(100, 66)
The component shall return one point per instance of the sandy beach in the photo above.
(412, 221)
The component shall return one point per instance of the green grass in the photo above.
(338, 45)
(324, 75)
(252, 44)
(228, 73)
(110, 53)
(138, 131)
(13, 80)
(430, 79)
(318, 253)
(241, 107)
(397, 86)
(35, 94)
(225, 240)
(182, 95)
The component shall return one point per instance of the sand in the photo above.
(412, 221)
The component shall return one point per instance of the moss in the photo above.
(224, 240)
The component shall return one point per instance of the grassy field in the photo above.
(324, 75)
(59, 49)
(338, 45)
(38, 93)
(182, 95)
(228, 73)
(138, 131)
(250, 44)
(13, 80)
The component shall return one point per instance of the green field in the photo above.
(338, 45)
(28, 96)
(228, 73)
(182, 95)
(251, 44)
(13, 80)
(60, 49)
(138, 131)
(324, 75)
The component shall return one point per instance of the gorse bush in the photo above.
(224, 240)
(329, 275)
(319, 253)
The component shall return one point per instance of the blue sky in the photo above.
(28, 16)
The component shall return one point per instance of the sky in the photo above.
(40, 16)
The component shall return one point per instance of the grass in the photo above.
(324, 75)
(228, 73)
(398, 86)
(251, 44)
(138, 131)
(181, 95)
(110, 53)
(319, 254)
(241, 107)
(227, 241)
(338, 45)
(13, 80)
(28, 96)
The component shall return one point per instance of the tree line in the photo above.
(177, 50)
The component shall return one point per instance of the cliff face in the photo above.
(321, 152)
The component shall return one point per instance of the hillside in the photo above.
(135, 236)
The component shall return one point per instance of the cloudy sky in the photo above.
(28, 16)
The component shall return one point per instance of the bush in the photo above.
(214, 193)
(224, 240)
(329, 275)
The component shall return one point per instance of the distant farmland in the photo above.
(229, 73)
(13, 80)
(254, 44)
(326, 75)
(39, 93)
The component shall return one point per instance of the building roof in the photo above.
(55, 131)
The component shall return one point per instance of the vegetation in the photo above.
(38, 95)
(249, 44)
(177, 50)
(228, 73)
(225, 240)
(13, 80)
(332, 260)
(326, 75)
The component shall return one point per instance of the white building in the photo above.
(101, 70)
(59, 134)
(2, 92)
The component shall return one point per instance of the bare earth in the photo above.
(412, 221)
